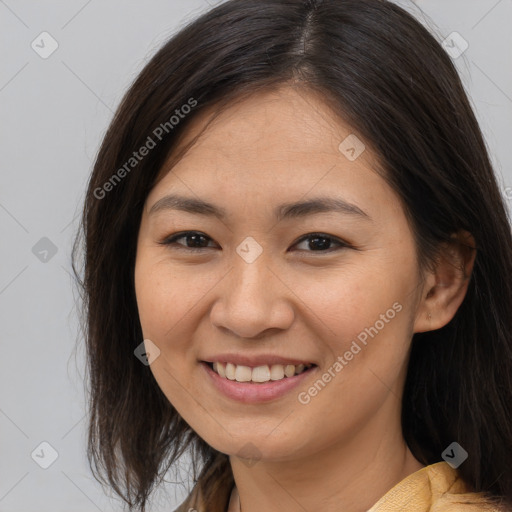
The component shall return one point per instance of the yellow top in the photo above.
(434, 488)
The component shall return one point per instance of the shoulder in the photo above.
(470, 502)
(449, 492)
(434, 488)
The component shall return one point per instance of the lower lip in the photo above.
(251, 393)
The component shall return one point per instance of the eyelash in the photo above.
(171, 240)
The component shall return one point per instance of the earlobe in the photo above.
(447, 285)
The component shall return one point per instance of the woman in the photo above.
(298, 268)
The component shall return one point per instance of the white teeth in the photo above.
(289, 370)
(230, 371)
(221, 370)
(276, 372)
(260, 374)
(243, 374)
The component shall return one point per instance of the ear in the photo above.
(445, 287)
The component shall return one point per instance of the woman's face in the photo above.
(256, 291)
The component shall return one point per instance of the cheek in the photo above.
(362, 316)
(162, 306)
(162, 297)
(171, 301)
(153, 297)
(157, 302)
(347, 300)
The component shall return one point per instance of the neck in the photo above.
(349, 477)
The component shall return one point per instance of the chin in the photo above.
(251, 449)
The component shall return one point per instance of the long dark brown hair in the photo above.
(383, 73)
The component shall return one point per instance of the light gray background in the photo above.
(54, 112)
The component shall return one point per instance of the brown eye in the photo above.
(195, 241)
(320, 242)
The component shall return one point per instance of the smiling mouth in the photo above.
(258, 374)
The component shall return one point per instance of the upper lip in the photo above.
(256, 360)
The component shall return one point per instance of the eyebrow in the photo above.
(283, 211)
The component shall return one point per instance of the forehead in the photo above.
(287, 124)
(282, 141)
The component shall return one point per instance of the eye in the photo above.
(320, 242)
(195, 241)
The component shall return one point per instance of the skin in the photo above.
(344, 449)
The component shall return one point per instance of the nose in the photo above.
(252, 299)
